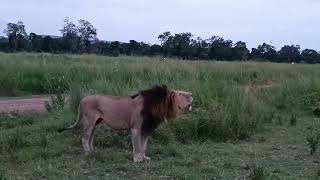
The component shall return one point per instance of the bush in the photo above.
(237, 116)
(56, 85)
(56, 103)
(257, 172)
(313, 139)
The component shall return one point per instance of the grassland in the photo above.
(249, 119)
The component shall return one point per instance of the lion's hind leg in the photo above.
(92, 133)
(88, 126)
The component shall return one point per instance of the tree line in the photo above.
(82, 38)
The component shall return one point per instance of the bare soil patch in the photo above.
(23, 105)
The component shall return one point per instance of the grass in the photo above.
(249, 119)
(36, 150)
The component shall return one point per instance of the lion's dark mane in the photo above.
(157, 105)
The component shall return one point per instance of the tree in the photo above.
(87, 34)
(115, 48)
(178, 45)
(310, 56)
(270, 52)
(181, 46)
(36, 42)
(220, 49)
(82, 38)
(100, 48)
(70, 38)
(144, 49)
(166, 42)
(289, 54)
(133, 47)
(17, 36)
(47, 44)
(164, 37)
(200, 48)
(240, 51)
(155, 50)
(264, 52)
(3, 44)
(15, 29)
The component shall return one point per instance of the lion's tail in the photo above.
(74, 124)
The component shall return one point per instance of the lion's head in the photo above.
(162, 103)
(183, 100)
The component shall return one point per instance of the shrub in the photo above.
(257, 172)
(56, 103)
(56, 85)
(313, 139)
(237, 116)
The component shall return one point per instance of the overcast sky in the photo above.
(277, 22)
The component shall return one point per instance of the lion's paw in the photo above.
(138, 159)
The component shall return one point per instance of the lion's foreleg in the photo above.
(144, 141)
(136, 144)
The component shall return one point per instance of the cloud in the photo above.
(253, 21)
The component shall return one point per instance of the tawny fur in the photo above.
(141, 113)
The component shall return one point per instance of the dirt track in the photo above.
(23, 105)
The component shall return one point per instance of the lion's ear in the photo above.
(172, 96)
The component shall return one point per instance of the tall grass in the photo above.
(231, 100)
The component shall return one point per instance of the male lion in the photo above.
(142, 113)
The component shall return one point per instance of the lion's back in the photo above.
(106, 103)
(116, 111)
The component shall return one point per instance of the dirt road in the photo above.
(23, 105)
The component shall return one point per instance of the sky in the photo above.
(276, 22)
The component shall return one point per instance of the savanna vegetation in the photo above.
(249, 121)
(82, 37)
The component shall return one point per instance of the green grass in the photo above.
(36, 150)
(249, 119)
